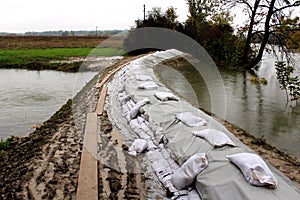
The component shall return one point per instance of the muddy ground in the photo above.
(45, 164)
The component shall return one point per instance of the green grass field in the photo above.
(37, 52)
(21, 57)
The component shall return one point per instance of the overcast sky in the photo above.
(40, 15)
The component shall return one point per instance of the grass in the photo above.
(42, 55)
(37, 52)
(40, 58)
(5, 144)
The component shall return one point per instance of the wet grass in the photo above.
(39, 59)
(37, 52)
(5, 144)
(17, 57)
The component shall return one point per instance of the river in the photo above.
(261, 110)
(28, 98)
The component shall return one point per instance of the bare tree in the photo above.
(266, 17)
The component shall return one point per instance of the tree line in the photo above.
(210, 23)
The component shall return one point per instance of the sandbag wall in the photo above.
(139, 113)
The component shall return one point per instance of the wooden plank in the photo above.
(101, 101)
(88, 175)
(109, 75)
(106, 78)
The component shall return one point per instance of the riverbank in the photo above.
(45, 164)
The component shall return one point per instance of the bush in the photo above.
(287, 82)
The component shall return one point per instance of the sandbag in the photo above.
(193, 195)
(135, 110)
(165, 96)
(130, 104)
(123, 98)
(137, 128)
(214, 137)
(190, 120)
(151, 146)
(121, 88)
(141, 77)
(254, 169)
(187, 173)
(148, 86)
(137, 147)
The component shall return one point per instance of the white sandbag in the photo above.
(154, 155)
(214, 137)
(194, 195)
(123, 98)
(162, 169)
(140, 120)
(254, 169)
(173, 165)
(129, 104)
(187, 173)
(135, 110)
(165, 96)
(148, 86)
(121, 88)
(137, 128)
(137, 147)
(190, 120)
(125, 109)
(134, 125)
(146, 129)
(181, 195)
(165, 153)
(151, 146)
(141, 77)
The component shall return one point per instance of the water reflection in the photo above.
(261, 110)
(31, 97)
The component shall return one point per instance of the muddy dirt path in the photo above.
(119, 173)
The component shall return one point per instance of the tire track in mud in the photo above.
(119, 173)
(54, 175)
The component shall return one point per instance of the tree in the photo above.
(209, 24)
(199, 12)
(155, 18)
(290, 31)
(265, 17)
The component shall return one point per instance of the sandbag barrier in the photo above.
(150, 139)
(136, 101)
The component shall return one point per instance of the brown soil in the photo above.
(44, 42)
(119, 173)
(43, 165)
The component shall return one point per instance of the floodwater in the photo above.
(28, 98)
(261, 110)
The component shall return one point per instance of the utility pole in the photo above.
(96, 30)
(144, 12)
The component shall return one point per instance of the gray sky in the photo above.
(44, 15)
(40, 15)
